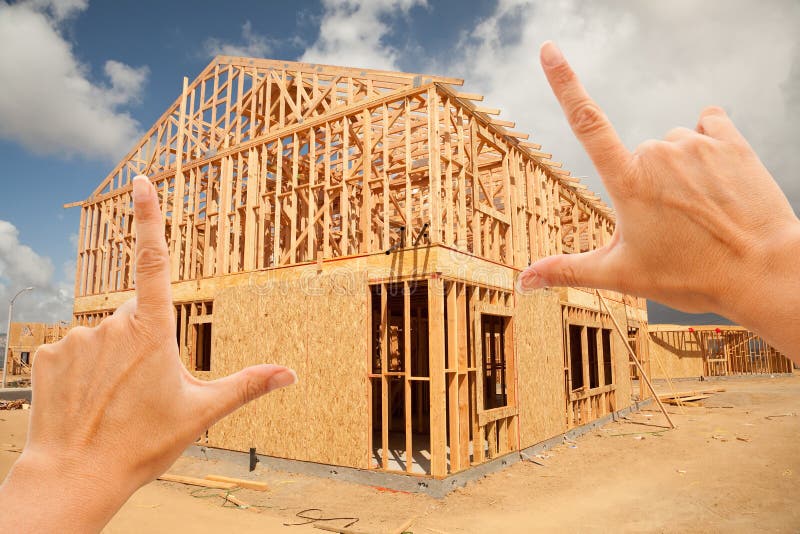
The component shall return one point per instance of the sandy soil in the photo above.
(731, 466)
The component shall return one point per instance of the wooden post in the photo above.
(635, 359)
(435, 166)
(407, 368)
(384, 332)
(437, 379)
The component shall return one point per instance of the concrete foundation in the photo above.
(438, 488)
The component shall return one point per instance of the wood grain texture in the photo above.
(540, 361)
(679, 356)
(315, 326)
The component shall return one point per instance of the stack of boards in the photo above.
(688, 396)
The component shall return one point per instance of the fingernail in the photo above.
(282, 379)
(141, 188)
(530, 280)
(551, 55)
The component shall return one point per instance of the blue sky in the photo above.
(82, 79)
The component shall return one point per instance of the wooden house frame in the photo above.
(724, 350)
(23, 340)
(366, 228)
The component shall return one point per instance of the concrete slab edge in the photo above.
(15, 393)
(662, 381)
(408, 483)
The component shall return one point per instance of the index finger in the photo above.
(153, 296)
(587, 120)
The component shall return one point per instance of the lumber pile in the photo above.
(688, 396)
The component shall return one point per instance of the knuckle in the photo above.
(712, 110)
(110, 327)
(43, 354)
(702, 147)
(678, 133)
(151, 259)
(567, 274)
(79, 335)
(587, 118)
(250, 388)
(650, 147)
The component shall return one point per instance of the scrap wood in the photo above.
(654, 432)
(192, 481)
(528, 458)
(234, 500)
(242, 483)
(12, 405)
(404, 527)
(683, 400)
(681, 395)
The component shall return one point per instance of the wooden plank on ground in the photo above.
(682, 394)
(242, 483)
(681, 400)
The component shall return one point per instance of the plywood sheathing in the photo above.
(273, 174)
(316, 327)
(540, 351)
(679, 354)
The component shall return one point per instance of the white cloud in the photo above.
(252, 45)
(20, 267)
(353, 33)
(59, 9)
(651, 65)
(49, 104)
(127, 83)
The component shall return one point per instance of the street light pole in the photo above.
(8, 332)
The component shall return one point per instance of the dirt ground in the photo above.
(731, 466)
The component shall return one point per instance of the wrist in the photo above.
(76, 496)
(767, 277)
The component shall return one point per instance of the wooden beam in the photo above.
(436, 348)
(242, 483)
(470, 96)
(487, 111)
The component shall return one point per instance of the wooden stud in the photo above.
(436, 349)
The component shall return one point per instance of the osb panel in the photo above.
(34, 335)
(317, 326)
(622, 372)
(678, 359)
(540, 362)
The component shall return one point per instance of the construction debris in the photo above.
(689, 396)
(242, 483)
(19, 404)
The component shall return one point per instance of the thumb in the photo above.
(587, 269)
(226, 395)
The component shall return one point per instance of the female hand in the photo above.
(113, 406)
(701, 224)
